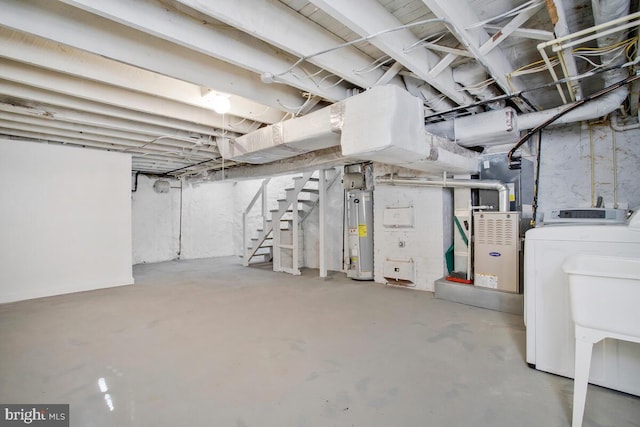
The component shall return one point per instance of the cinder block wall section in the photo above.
(581, 162)
(206, 221)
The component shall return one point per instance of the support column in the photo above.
(322, 191)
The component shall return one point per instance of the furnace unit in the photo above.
(496, 250)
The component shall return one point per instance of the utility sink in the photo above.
(605, 292)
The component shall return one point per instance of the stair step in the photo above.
(307, 202)
(287, 211)
(255, 239)
(268, 247)
(310, 179)
(305, 190)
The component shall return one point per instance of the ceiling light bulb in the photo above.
(221, 104)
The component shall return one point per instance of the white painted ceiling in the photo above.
(130, 76)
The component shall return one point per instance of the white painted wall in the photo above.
(65, 220)
(207, 220)
(156, 221)
(211, 217)
(566, 168)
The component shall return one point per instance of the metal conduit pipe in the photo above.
(615, 125)
(500, 187)
(605, 12)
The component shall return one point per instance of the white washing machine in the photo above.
(550, 328)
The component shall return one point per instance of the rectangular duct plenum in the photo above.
(384, 124)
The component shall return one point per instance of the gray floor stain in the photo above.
(468, 346)
(363, 385)
(498, 352)
(452, 393)
(311, 377)
(450, 331)
(379, 402)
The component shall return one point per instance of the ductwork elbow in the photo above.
(588, 111)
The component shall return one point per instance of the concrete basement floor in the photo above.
(211, 343)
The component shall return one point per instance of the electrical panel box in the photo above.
(496, 250)
(399, 272)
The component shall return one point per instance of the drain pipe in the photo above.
(501, 188)
(619, 127)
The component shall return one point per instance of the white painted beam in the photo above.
(227, 44)
(111, 95)
(460, 15)
(570, 68)
(90, 119)
(115, 143)
(42, 99)
(525, 33)
(517, 22)
(135, 139)
(367, 17)
(74, 27)
(163, 162)
(50, 55)
(281, 26)
(390, 74)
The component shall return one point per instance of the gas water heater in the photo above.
(360, 237)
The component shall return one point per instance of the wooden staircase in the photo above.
(280, 239)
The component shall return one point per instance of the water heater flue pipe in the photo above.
(501, 188)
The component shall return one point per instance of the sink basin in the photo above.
(605, 292)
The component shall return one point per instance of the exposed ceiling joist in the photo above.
(74, 27)
(134, 138)
(509, 28)
(295, 34)
(367, 17)
(47, 54)
(98, 92)
(227, 44)
(66, 115)
(561, 27)
(526, 33)
(174, 156)
(19, 94)
(461, 19)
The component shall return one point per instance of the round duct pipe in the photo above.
(474, 79)
(501, 188)
(161, 186)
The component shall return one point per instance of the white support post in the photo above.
(277, 251)
(264, 206)
(245, 245)
(294, 237)
(322, 191)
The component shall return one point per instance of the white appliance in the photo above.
(585, 216)
(550, 329)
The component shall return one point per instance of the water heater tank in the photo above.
(360, 238)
